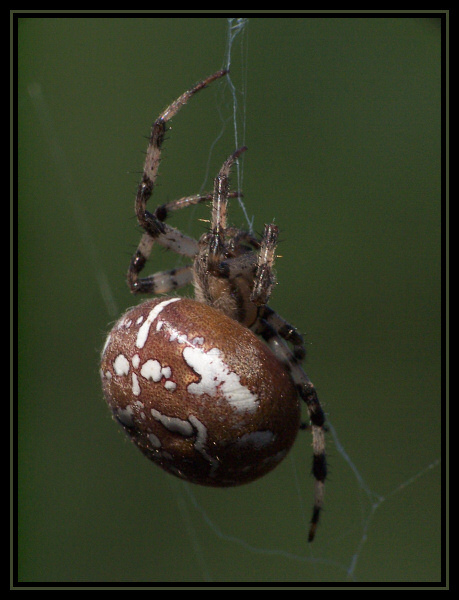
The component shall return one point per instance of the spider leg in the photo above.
(162, 212)
(240, 238)
(155, 229)
(262, 287)
(239, 266)
(163, 282)
(216, 240)
(153, 156)
(285, 330)
(307, 392)
(168, 237)
(264, 277)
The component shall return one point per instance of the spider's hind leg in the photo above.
(285, 330)
(307, 392)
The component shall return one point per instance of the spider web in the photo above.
(201, 523)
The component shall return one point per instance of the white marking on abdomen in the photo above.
(135, 385)
(216, 377)
(154, 440)
(144, 329)
(107, 341)
(125, 415)
(200, 443)
(173, 423)
(151, 369)
(121, 365)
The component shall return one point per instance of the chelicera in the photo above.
(209, 388)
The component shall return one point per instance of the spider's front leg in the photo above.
(153, 157)
(216, 240)
(264, 276)
(155, 229)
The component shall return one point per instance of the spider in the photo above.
(190, 380)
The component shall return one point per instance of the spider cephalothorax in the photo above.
(189, 380)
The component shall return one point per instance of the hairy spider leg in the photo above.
(153, 156)
(264, 277)
(155, 228)
(162, 212)
(219, 206)
(285, 330)
(307, 392)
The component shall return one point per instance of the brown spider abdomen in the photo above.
(198, 393)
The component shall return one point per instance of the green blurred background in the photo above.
(342, 120)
